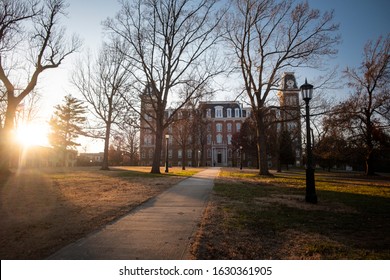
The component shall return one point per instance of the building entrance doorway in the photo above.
(219, 158)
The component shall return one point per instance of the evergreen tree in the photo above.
(66, 125)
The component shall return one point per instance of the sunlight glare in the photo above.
(32, 134)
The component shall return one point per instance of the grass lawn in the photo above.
(254, 217)
(42, 210)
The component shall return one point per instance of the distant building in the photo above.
(224, 119)
(203, 135)
(39, 157)
(90, 159)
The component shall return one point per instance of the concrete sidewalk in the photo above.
(159, 229)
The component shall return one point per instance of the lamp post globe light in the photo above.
(311, 197)
(240, 157)
(166, 153)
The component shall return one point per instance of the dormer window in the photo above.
(237, 112)
(219, 112)
(229, 112)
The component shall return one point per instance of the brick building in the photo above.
(290, 113)
(202, 136)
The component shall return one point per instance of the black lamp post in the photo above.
(166, 154)
(240, 157)
(307, 94)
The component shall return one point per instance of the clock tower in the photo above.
(290, 113)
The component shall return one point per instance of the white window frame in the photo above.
(218, 127)
(229, 112)
(229, 127)
(218, 112)
(238, 127)
(237, 112)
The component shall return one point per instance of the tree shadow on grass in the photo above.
(269, 222)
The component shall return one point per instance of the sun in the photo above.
(32, 134)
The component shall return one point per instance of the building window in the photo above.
(150, 153)
(179, 153)
(229, 112)
(143, 154)
(148, 140)
(229, 127)
(237, 112)
(208, 113)
(229, 139)
(219, 112)
(208, 127)
(170, 153)
(219, 127)
(219, 139)
(208, 153)
(189, 153)
(208, 139)
(238, 127)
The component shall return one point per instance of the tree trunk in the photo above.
(106, 147)
(262, 145)
(6, 139)
(370, 170)
(157, 150)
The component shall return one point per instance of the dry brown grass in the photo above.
(44, 210)
(256, 217)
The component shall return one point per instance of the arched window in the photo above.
(229, 112)
(237, 112)
(219, 112)
(219, 139)
(229, 127)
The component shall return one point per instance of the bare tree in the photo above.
(30, 38)
(104, 84)
(183, 127)
(364, 117)
(170, 44)
(128, 132)
(269, 37)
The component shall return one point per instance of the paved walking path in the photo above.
(159, 229)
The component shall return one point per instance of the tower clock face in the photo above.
(290, 83)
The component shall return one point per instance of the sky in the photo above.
(360, 21)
